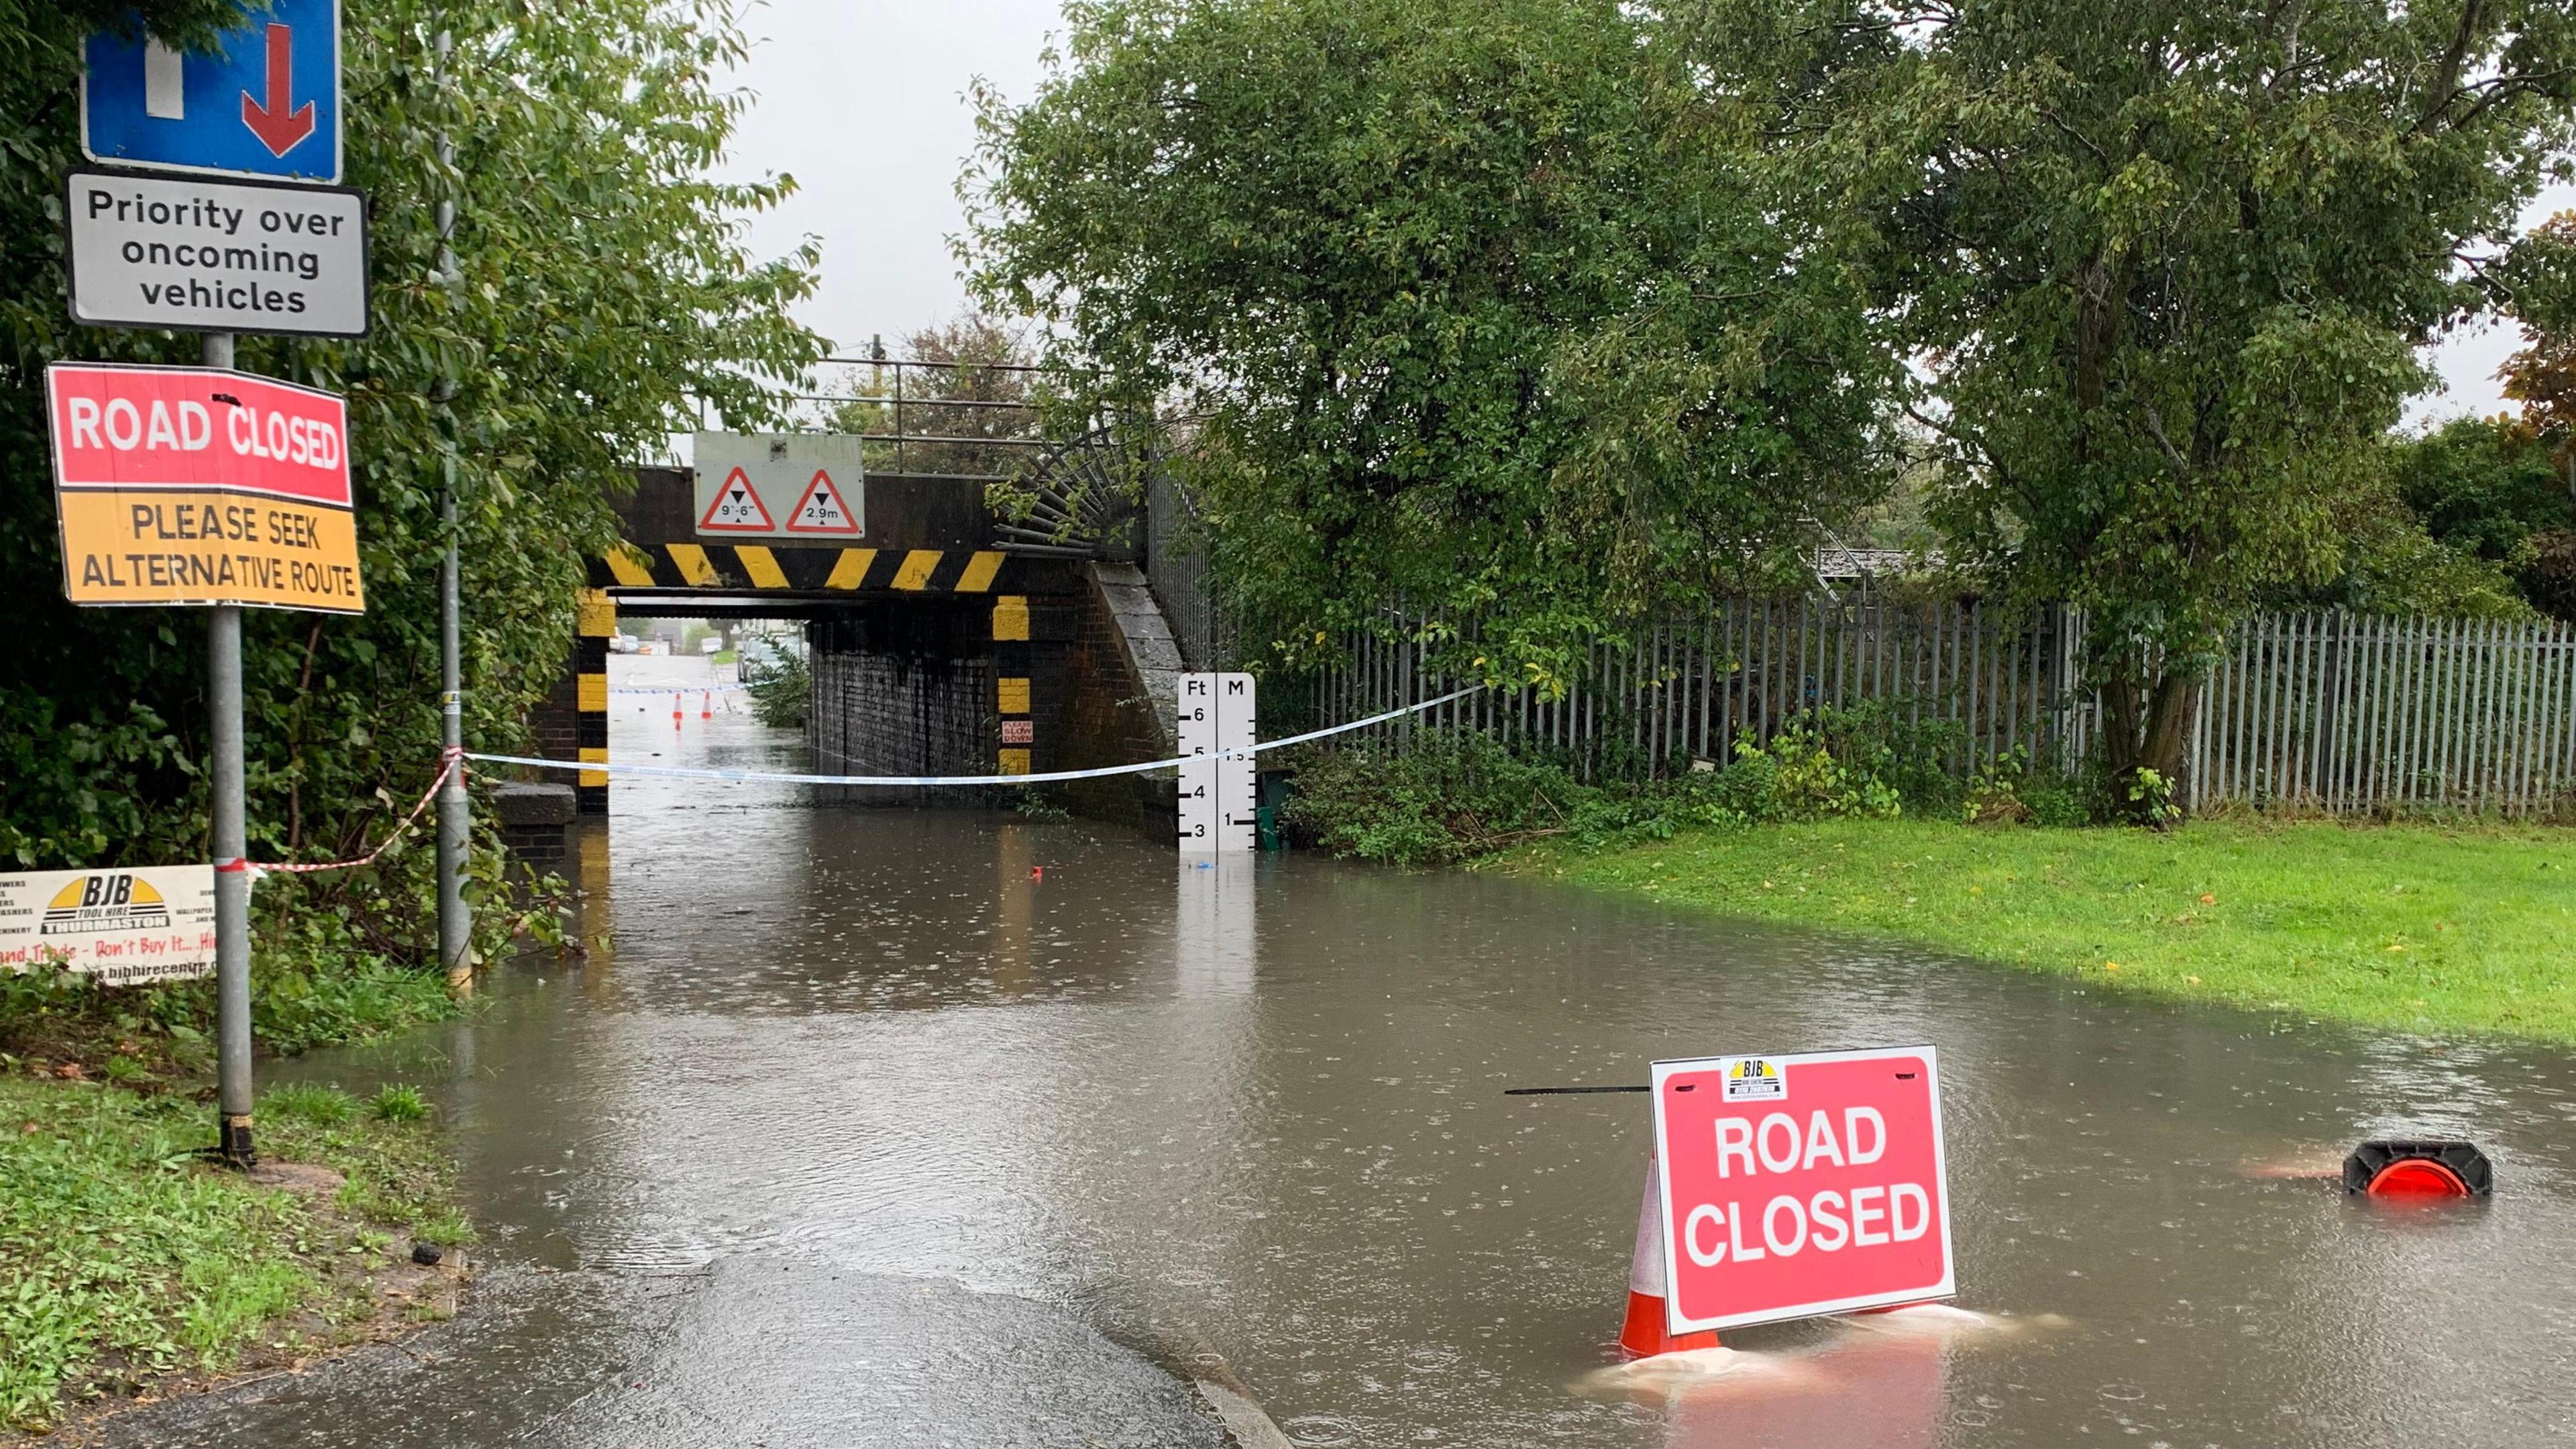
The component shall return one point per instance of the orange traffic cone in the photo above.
(1644, 1333)
(706, 710)
(675, 711)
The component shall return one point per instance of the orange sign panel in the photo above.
(185, 485)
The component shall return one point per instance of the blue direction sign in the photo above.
(267, 103)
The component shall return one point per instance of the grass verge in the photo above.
(2414, 927)
(127, 1264)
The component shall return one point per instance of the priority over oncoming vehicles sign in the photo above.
(1798, 1185)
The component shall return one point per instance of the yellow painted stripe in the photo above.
(979, 572)
(1011, 616)
(852, 570)
(589, 754)
(595, 616)
(632, 566)
(762, 565)
(693, 563)
(590, 694)
(1013, 696)
(1015, 762)
(915, 573)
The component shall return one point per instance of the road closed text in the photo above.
(1802, 1184)
(188, 426)
(1827, 1220)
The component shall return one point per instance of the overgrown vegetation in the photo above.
(2417, 926)
(1443, 797)
(127, 1258)
(1485, 304)
(1532, 316)
(783, 692)
(601, 297)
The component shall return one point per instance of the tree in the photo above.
(601, 294)
(1482, 305)
(2538, 283)
(2164, 266)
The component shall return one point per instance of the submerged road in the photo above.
(892, 1127)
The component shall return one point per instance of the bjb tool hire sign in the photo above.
(191, 485)
(1792, 1186)
(126, 927)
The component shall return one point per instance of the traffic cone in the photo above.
(1644, 1333)
(706, 709)
(675, 711)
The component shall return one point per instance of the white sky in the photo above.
(864, 103)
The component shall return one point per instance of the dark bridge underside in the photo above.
(934, 652)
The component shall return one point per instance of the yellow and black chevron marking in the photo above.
(811, 570)
(595, 623)
(1011, 684)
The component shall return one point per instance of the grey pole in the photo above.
(455, 823)
(231, 842)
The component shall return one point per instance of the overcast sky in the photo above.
(864, 103)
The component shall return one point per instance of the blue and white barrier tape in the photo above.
(683, 772)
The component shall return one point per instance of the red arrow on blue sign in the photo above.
(278, 127)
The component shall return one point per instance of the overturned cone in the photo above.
(2426, 1168)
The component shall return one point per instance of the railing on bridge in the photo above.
(972, 421)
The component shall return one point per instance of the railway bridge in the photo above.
(944, 637)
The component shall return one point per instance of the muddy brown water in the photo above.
(1255, 1116)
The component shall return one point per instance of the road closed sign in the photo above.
(1793, 1186)
(192, 485)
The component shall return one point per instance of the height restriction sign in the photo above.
(193, 485)
(1792, 1186)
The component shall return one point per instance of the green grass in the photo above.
(123, 1257)
(2422, 928)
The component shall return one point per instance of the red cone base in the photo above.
(1643, 1334)
(2416, 1177)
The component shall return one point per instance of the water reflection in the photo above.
(1254, 1111)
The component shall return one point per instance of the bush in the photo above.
(780, 696)
(1449, 796)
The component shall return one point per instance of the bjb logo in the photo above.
(1753, 1079)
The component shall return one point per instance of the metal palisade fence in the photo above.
(2324, 711)
(2354, 714)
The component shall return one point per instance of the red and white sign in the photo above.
(823, 509)
(736, 508)
(199, 429)
(1799, 1185)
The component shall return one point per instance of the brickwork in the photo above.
(1119, 653)
(904, 690)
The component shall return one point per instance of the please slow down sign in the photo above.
(1792, 1186)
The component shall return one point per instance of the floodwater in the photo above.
(1253, 1118)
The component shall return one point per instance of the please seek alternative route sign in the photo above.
(1792, 1186)
(193, 485)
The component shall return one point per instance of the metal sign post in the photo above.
(231, 832)
(234, 484)
(455, 810)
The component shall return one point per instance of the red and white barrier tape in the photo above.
(450, 762)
